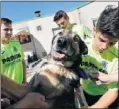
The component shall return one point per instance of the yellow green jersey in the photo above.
(98, 62)
(83, 31)
(11, 60)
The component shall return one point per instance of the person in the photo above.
(101, 51)
(62, 20)
(13, 66)
(12, 63)
(12, 58)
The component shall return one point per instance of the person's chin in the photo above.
(8, 37)
(101, 51)
(64, 28)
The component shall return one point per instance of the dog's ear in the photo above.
(60, 33)
(53, 38)
(82, 46)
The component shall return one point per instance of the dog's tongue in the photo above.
(60, 55)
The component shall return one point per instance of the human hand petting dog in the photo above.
(31, 100)
(35, 100)
(38, 100)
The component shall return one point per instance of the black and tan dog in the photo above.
(57, 79)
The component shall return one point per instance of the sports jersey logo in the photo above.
(89, 64)
(11, 58)
(104, 65)
(2, 52)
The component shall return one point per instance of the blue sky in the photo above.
(20, 11)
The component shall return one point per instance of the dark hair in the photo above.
(59, 14)
(6, 21)
(108, 22)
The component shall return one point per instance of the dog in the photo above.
(58, 77)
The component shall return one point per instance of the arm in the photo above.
(106, 100)
(24, 72)
(7, 86)
(87, 32)
(82, 31)
(114, 77)
(23, 63)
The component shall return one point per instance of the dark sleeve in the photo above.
(81, 73)
(75, 83)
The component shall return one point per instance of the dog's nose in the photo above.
(62, 42)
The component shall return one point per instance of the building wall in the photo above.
(44, 36)
(41, 40)
(91, 11)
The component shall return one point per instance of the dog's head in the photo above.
(68, 48)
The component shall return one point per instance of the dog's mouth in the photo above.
(63, 56)
(59, 54)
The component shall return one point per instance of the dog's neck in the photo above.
(75, 68)
(55, 62)
(66, 64)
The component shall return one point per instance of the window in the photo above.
(38, 28)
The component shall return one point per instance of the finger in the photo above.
(42, 97)
(39, 96)
(95, 75)
(43, 104)
(6, 100)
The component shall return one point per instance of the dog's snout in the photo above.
(62, 42)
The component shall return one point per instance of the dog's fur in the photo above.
(58, 78)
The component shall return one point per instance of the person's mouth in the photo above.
(8, 36)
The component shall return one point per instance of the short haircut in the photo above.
(5, 21)
(108, 22)
(59, 14)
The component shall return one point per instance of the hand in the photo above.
(38, 100)
(5, 102)
(103, 78)
(31, 100)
